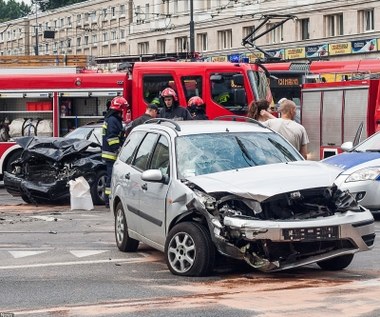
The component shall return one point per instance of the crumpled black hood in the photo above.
(53, 148)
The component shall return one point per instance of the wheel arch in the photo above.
(7, 155)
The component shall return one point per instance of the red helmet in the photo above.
(118, 104)
(195, 101)
(169, 92)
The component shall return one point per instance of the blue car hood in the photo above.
(348, 160)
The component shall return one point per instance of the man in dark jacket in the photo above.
(113, 138)
(150, 113)
(171, 109)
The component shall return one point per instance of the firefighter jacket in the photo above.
(113, 137)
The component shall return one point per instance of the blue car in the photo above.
(361, 171)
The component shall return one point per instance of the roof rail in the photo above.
(240, 118)
(160, 120)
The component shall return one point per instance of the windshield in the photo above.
(210, 153)
(260, 85)
(86, 133)
(372, 144)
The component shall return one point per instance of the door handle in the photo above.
(144, 186)
(127, 176)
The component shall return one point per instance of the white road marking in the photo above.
(22, 254)
(83, 253)
(46, 218)
(37, 265)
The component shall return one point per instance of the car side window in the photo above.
(144, 152)
(160, 158)
(130, 146)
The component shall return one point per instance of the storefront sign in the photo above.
(253, 56)
(340, 48)
(313, 51)
(277, 53)
(364, 46)
(221, 58)
(293, 53)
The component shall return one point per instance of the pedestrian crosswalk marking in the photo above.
(84, 253)
(22, 254)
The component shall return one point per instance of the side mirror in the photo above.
(347, 146)
(153, 176)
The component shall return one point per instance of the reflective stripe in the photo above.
(109, 155)
(113, 141)
(107, 191)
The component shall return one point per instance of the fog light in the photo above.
(360, 196)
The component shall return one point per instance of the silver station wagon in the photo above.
(195, 188)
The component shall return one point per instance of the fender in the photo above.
(6, 149)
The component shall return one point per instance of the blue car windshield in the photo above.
(210, 153)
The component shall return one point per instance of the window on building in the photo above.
(93, 16)
(147, 11)
(105, 36)
(86, 40)
(304, 25)
(113, 12)
(161, 46)
(208, 4)
(79, 41)
(104, 13)
(122, 9)
(55, 24)
(334, 24)
(94, 39)
(248, 30)
(79, 18)
(68, 19)
(224, 39)
(122, 33)
(86, 17)
(276, 35)
(143, 48)
(202, 42)
(68, 42)
(61, 22)
(366, 20)
(47, 48)
(175, 9)
(113, 35)
(186, 5)
(181, 44)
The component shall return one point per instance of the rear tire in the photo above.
(123, 241)
(336, 264)
(189, 250)
(98, 187)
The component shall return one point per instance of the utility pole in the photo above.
(192, 44)
(36, 29)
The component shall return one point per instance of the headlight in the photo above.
(369, 173)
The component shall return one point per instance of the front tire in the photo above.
(336, 264)
(189, 250)
(123, 241)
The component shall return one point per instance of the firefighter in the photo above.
(113, 138)
(197, 108)
(172, 109)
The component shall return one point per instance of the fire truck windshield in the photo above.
(260, 85)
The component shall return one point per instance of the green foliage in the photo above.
(53, 4)
(10, 10)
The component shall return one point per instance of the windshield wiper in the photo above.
(245, 151)
(287, 155)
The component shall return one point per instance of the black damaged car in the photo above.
(46, 165)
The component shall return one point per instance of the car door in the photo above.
(154, 194)
(124, 180)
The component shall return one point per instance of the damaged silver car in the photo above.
(192, 189)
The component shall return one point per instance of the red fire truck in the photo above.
(33, 103)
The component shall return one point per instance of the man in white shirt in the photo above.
(294, 132)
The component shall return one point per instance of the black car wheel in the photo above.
(97, 188)
(12, 157)
(336, 264)
(123, 241)
(189, 250)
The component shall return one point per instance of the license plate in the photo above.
(316, 233)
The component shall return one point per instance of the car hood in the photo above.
(261, 182)
(347, 161)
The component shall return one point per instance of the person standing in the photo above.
(197, 108)
(172, 109)
(113, 138)
(151, 112)
(294, 132)
(260, 110)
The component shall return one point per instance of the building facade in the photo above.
(334, 29)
